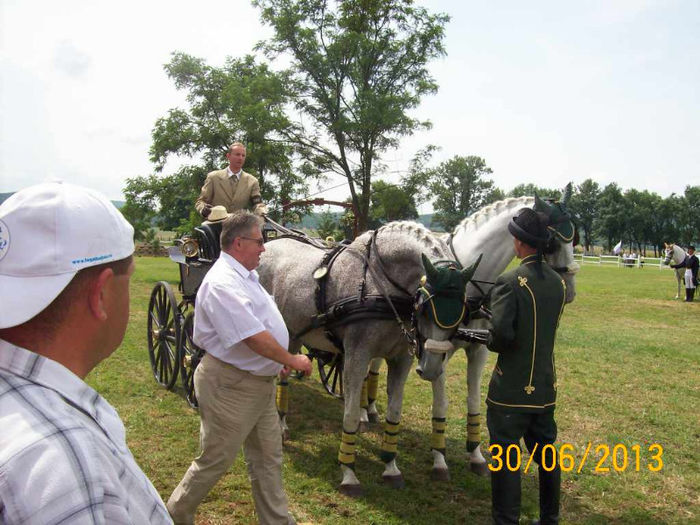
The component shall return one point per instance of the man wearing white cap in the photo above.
(65, 265)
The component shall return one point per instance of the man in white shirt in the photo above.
(65, 265)
(237, 322)
(232, 187)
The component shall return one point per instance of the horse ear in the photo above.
(430, 271)
(468, 273)
(540, 205)
(567, 194)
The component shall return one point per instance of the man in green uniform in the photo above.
(526, 303)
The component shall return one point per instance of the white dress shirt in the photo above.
(63, 454)
(231, 306)
(232, 174)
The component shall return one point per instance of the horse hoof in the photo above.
(395, 482)
(352, 491)
(480, 469)
(373, 418)
(364, 426)
(285, 435)
(440, 474)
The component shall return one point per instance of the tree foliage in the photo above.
(459, 189)
(391, 202)
(584, 206)
(357, 68)
(240, 101)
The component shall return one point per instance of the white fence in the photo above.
(638, 262)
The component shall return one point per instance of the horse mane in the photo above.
(428, 242)
(477, 219)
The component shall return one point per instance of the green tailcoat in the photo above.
(526, 309)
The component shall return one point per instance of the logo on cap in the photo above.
(4, 239)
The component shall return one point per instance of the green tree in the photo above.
(529, 190)
(638, 216)
(689, 221)
(584, 206)
(241, 100)
(357, 68)
(328, 226)
(391, 203)
(459, 189)
(611, 213)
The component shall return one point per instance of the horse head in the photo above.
(440, 307)
(559, 252)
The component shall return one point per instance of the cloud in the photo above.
(70, 60)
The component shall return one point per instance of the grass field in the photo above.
(628, 360)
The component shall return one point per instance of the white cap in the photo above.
(47, 233)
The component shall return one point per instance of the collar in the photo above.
(232, 263)
(232, 174)
(52, 375)
(529, 259)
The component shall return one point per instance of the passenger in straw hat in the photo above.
(65, 265)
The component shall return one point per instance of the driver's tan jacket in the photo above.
(221, 190)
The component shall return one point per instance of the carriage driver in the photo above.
(526, 303)
(65, 265)
(237, 322)
(232, 187)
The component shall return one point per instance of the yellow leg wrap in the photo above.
(437, 439)
(372, 386)
(346, 454)
(473, 431)
(364, 402)
(390, 441)
(282, 397)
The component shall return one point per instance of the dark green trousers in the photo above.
(506, 428)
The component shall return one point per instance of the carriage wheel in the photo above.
(189, 357)
(163, 334)
(330, 368)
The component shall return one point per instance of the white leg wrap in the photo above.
(349, 477)
(439, 462)
(390, 469)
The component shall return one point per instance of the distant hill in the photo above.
(5, 196)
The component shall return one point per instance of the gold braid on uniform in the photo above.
(390, 441)
(437, 439)
(473, 431)
(282, 397)
(346, 454)
(372, 386)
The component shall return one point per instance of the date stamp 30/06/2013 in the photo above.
(600, 458)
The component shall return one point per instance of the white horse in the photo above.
(486, 231)
(357, 301)
(673, 252)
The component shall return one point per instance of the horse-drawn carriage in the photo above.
(172, 352)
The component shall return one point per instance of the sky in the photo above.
(546, 91)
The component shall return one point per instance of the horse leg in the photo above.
(353, 377)
(476, 361)
(438, 447)
(282, 396)
(399, 368)
(372, 390)
(282, 399)
(678, 281)
(364, 405)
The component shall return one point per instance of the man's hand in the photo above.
(301, 363)
(206, 211)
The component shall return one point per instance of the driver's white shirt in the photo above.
(231, 306)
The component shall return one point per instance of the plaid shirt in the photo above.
(63, 454)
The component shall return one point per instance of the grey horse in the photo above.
(392, 267)
(486, 232)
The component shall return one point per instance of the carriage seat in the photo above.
(209, 239)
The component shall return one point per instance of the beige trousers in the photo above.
(236, 408)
